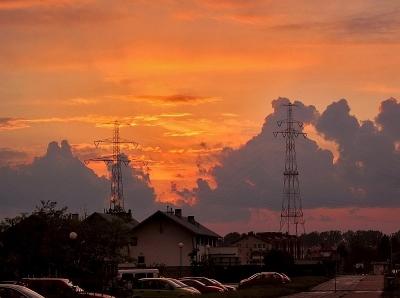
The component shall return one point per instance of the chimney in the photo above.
(178, 212)
(191, 219)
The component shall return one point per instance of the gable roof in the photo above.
(247, 236)
(192, 226)
(112, 218)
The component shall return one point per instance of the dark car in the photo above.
(163, 288)
(207, 282)
(229, 288)
(262, 279)
(285, 277)
(58, 288)
(198, 285)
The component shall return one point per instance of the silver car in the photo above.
(11, 290)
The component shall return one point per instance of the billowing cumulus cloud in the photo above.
(366, 173)
(60, 176)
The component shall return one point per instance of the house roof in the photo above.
(113, 218)
(246, 236)
(192, 226)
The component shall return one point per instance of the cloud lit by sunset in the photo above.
(197, 84)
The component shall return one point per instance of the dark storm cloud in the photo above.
(365, 175)
(60, 176)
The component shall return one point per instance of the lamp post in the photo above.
(180, 245)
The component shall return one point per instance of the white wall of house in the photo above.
(158, 242)
(246, 246)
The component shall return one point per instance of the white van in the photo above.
(137, 273)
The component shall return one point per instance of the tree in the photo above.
(278, 260)
(37, 244)
(231, 238)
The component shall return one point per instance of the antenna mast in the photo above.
(292, 212)
(115, 162)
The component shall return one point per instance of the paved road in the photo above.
(349, 286)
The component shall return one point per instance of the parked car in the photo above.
(207, 282)
(261, 279)
(59, 288)
(137, 273)
(287, 278)
(161, 287)
(229, 288)
(183, 285)
(11, 290)
(201, 286)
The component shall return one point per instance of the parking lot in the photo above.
(366, 286)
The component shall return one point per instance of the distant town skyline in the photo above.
(198, 85)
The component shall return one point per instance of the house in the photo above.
(317, 252)
(251, 249)
(170, 239)
(224, 256)
(380, 268)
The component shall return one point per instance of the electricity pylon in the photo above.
(114, 163)
(292, 212)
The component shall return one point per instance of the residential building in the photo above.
(251, 249)
(170, 239)
(224, 256)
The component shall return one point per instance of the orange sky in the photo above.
(189, 77)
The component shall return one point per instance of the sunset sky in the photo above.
(192, 81)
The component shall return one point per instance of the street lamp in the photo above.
(73, 235)
(180, 245)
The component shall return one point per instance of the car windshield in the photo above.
(193, 282)
(206, 281)
(216, 281)
(177, 283)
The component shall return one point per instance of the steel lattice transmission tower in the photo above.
(115, 162)
(292, 212)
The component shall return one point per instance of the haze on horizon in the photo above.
(198, 84)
